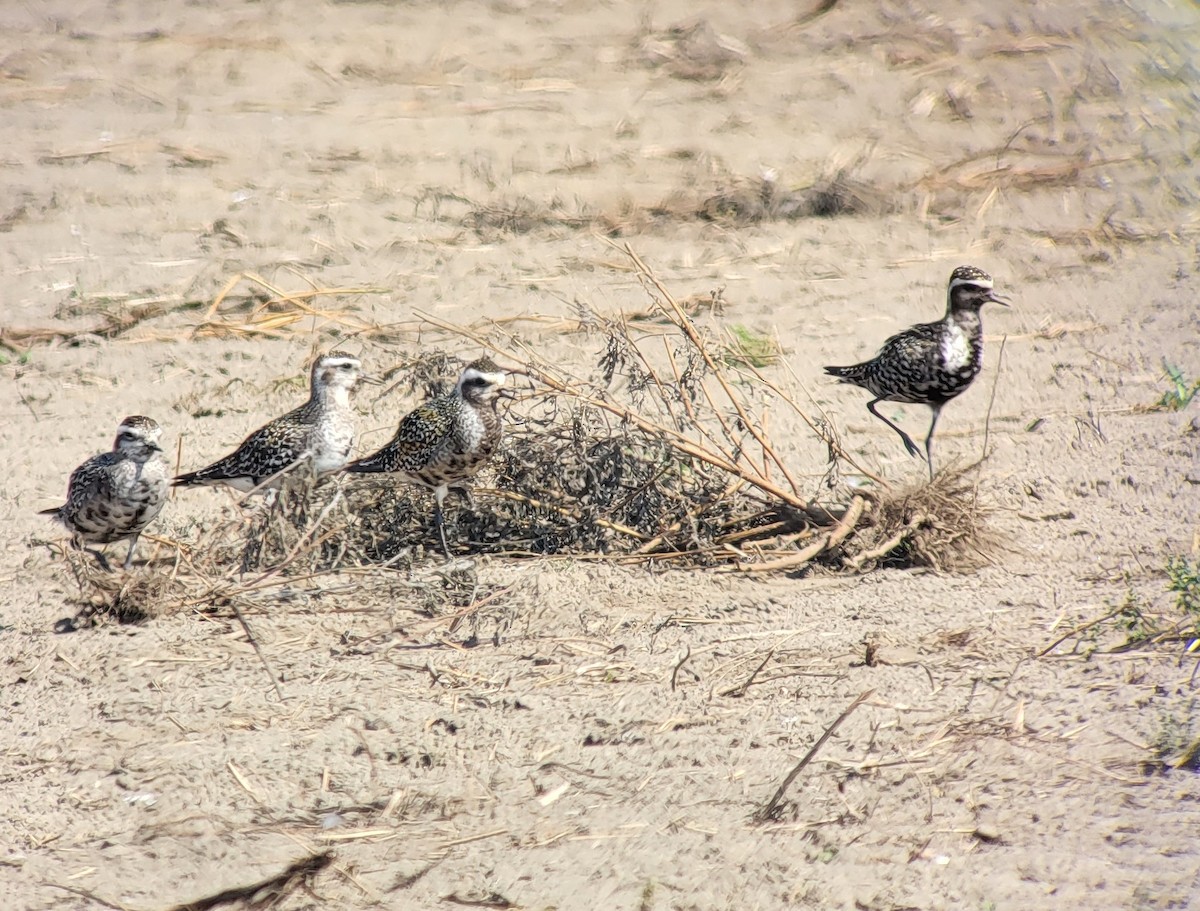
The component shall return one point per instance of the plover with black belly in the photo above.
(930, 363)
(115, 495)
(445, 442)
(320, 433)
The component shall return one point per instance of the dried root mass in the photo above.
(940, 525)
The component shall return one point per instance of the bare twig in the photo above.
(1077, 630)
(770, 811)
(657, 541)
(684, 323)
(987, 421)
(862, 558)
(682, 661)
(677, 440)
(90, 896)
(258, 651)
(740, 689)
(821, 433)
(266, 892)
(564, 511)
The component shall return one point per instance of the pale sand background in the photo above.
(154, 150)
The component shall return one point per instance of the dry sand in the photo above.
(464, 161)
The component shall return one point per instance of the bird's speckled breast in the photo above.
(131, 500)
(331, 442)
(472, 442)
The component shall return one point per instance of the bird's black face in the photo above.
(972, 297)
(971, 288)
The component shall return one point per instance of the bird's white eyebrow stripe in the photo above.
(472, 373)
(977, 282)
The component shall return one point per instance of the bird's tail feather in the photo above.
(365, 466)
(850, 374)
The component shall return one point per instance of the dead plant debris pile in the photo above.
(658, 455)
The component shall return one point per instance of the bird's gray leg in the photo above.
(908, 443)
(129, 556)
(937, 410)
(439, 497)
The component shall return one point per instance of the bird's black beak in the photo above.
(154, 447)
(506, 393)
(997, 299)
(369, 379)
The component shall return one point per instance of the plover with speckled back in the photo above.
(115, 495)
(320, 433)
(930, 363)
(445, 442)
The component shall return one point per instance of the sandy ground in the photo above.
(154, 152)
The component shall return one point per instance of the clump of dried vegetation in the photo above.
(660, 456)
(849, 183)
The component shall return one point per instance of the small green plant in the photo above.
(1133, 617)
(751, 348)
(1182, 391)
(828, 854)
(1172, 734)
(1183, 577)
(1174, 743)
(9, 355)
(1144, 625)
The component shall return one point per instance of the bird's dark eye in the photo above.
(478, 381)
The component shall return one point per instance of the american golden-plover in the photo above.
(443, 443)
(115, 495)
(320, 433)
(930, 363)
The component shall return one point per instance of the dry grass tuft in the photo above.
(522, 215)
(266, 309)
(505, 215)
(840, 191)
(124, 597)
(845, 184)
(260, 309)
(939, 524)
(692, 50)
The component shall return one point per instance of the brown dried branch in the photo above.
(268, 892)
(770, 810)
